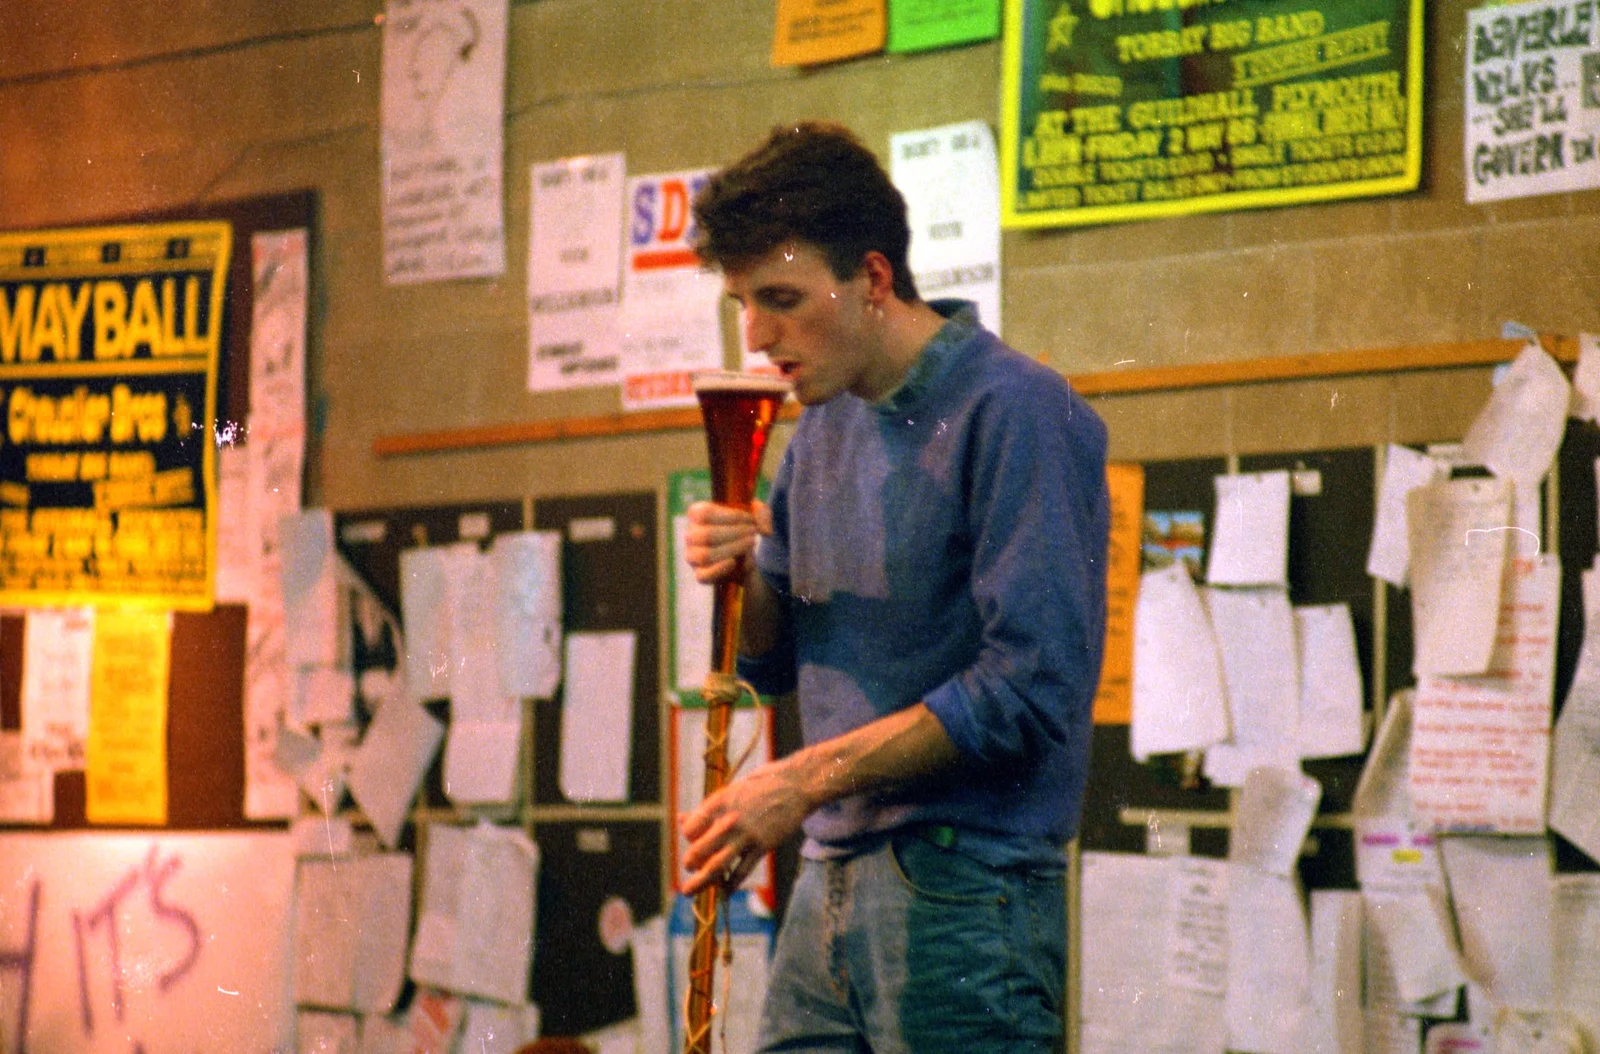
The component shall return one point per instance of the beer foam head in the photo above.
(731, 381)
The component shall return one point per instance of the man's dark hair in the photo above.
(814, 182)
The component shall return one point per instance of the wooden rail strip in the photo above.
(1111, 382)
(1324, 364)
(602, 426)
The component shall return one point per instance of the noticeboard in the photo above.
(1118, 110)
(110, 339)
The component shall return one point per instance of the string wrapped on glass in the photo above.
(739, 410)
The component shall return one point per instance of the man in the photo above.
(930, 580)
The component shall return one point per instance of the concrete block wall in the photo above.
(111, 109)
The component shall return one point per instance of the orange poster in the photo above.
(815, 31)
(1113, 702)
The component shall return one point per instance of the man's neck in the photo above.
(907, 328)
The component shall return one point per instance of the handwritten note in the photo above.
(485, 737)
(1269, 989)
(1251, 546)
(1330, 682)
(1272, 819)
(127, 749)
(444, 75)
(815, 31)
(527, 575)
(1335, 1025)
(1457, 532)
(1480, 745)
(919, 25)
(388, 768)
(475, 927)
(951, 182)
(1404, 470)
(574, 272)
(1518, 431)
(1575, 750)
(351, 926)
(1179, 702)
(597, 716)
(57, 657)
(1504, 908)
(1256, 639)
(1113, 700)
(1414, 931)
(1532, 110)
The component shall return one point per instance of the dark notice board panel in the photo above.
(608, 582)
(1577, 545)
(1116, 780)
(1328, 536)
(205, 718)
(205, 722)
(580, 984)
(1329, 533)
(371, 541)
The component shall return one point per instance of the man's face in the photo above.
(814, 328)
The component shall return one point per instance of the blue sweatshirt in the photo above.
(947, 545)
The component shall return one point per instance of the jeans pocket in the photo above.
(947, 876)
(979, 979)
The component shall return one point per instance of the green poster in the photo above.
(922, 25)
(689, 603)
(1131, 109)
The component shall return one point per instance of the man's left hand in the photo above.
(733, 829)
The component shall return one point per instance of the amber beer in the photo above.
(739, 410)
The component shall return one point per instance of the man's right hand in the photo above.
(720, 537)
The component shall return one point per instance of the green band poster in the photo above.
(921, 25)
(110, 340)
(1131, 109)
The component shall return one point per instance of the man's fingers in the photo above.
(729, 865)
(761, 513)
(707, 836)
(718, 537)
(710, 514)
(710, 574)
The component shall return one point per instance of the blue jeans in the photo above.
(918, 949)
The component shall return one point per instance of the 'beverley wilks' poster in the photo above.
(1533, 99)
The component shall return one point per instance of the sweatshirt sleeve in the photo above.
(1039, 515)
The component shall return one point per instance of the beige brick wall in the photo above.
(108, 109)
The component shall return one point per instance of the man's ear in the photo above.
(879, 274)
